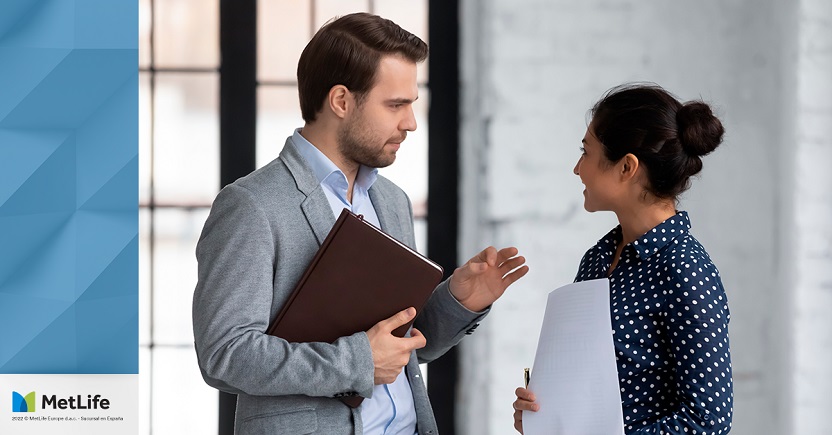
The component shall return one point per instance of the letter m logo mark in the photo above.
(23, 403)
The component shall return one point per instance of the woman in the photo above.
(668, 307)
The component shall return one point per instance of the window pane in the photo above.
(278, 115)
(325, 10)
(182, 403)
(144, 276)
(144, 390)
(186, 161)
(144, 33)
(176, 232)
(186, 33)
(420, 229)
(284, 27)
(410, 170)
(144, 138)
(411, 15)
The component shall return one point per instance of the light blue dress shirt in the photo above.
(391, 410)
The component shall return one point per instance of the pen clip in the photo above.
(526, 377)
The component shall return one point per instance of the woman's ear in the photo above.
(629, 167)
(339, 99)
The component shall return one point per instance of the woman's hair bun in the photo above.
(700, 132)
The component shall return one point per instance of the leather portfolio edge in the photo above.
(308, 272)
(351, 401)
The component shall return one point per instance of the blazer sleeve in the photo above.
(444, 321)
(232, 308)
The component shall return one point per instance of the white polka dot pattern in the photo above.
(670, 329)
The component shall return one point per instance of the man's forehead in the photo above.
(396, 79)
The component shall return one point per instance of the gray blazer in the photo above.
(262, 232)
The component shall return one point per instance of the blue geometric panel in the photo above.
(49, 188)
(28, 149)
(92, 21)
(101, 237)
(12, 12)
(51, 351)
(69, 94)
(26, 68)
(68, 186)
(41, 269)
(38, 23)
(99, 156)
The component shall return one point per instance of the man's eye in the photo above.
(583, 150)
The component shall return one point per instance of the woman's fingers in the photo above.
(525, 402)
(525, 394)
(518, 421)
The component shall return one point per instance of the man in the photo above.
(357, 83)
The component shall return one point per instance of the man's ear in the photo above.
(340, 100)
(628, 167)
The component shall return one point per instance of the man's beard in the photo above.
(359, 144)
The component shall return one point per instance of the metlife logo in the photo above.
(69, 404)
(22, 403)
(26, 403)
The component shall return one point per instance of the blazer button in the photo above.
(471, 329)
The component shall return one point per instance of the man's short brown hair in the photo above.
(347, 52)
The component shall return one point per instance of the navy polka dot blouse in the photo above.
(670, 330)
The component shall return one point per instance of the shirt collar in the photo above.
(610, 240)
(652, 241)
(326, 172)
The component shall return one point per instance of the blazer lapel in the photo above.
(387, 216)
(318, 213)
(315, 207)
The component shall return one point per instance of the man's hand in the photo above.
(525, 402)
(391, 353)
(484, 278)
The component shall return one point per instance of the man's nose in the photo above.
(409, 121)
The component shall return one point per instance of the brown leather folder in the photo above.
(358, 277)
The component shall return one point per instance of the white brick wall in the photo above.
(762, 206)
(812, 214)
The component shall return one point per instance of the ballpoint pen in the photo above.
(526, 377)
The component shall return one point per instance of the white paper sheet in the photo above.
(574, 376)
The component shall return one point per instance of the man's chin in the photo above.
(386, 161)
(380, 161)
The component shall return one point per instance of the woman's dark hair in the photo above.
(668, 137)
(347, 52)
